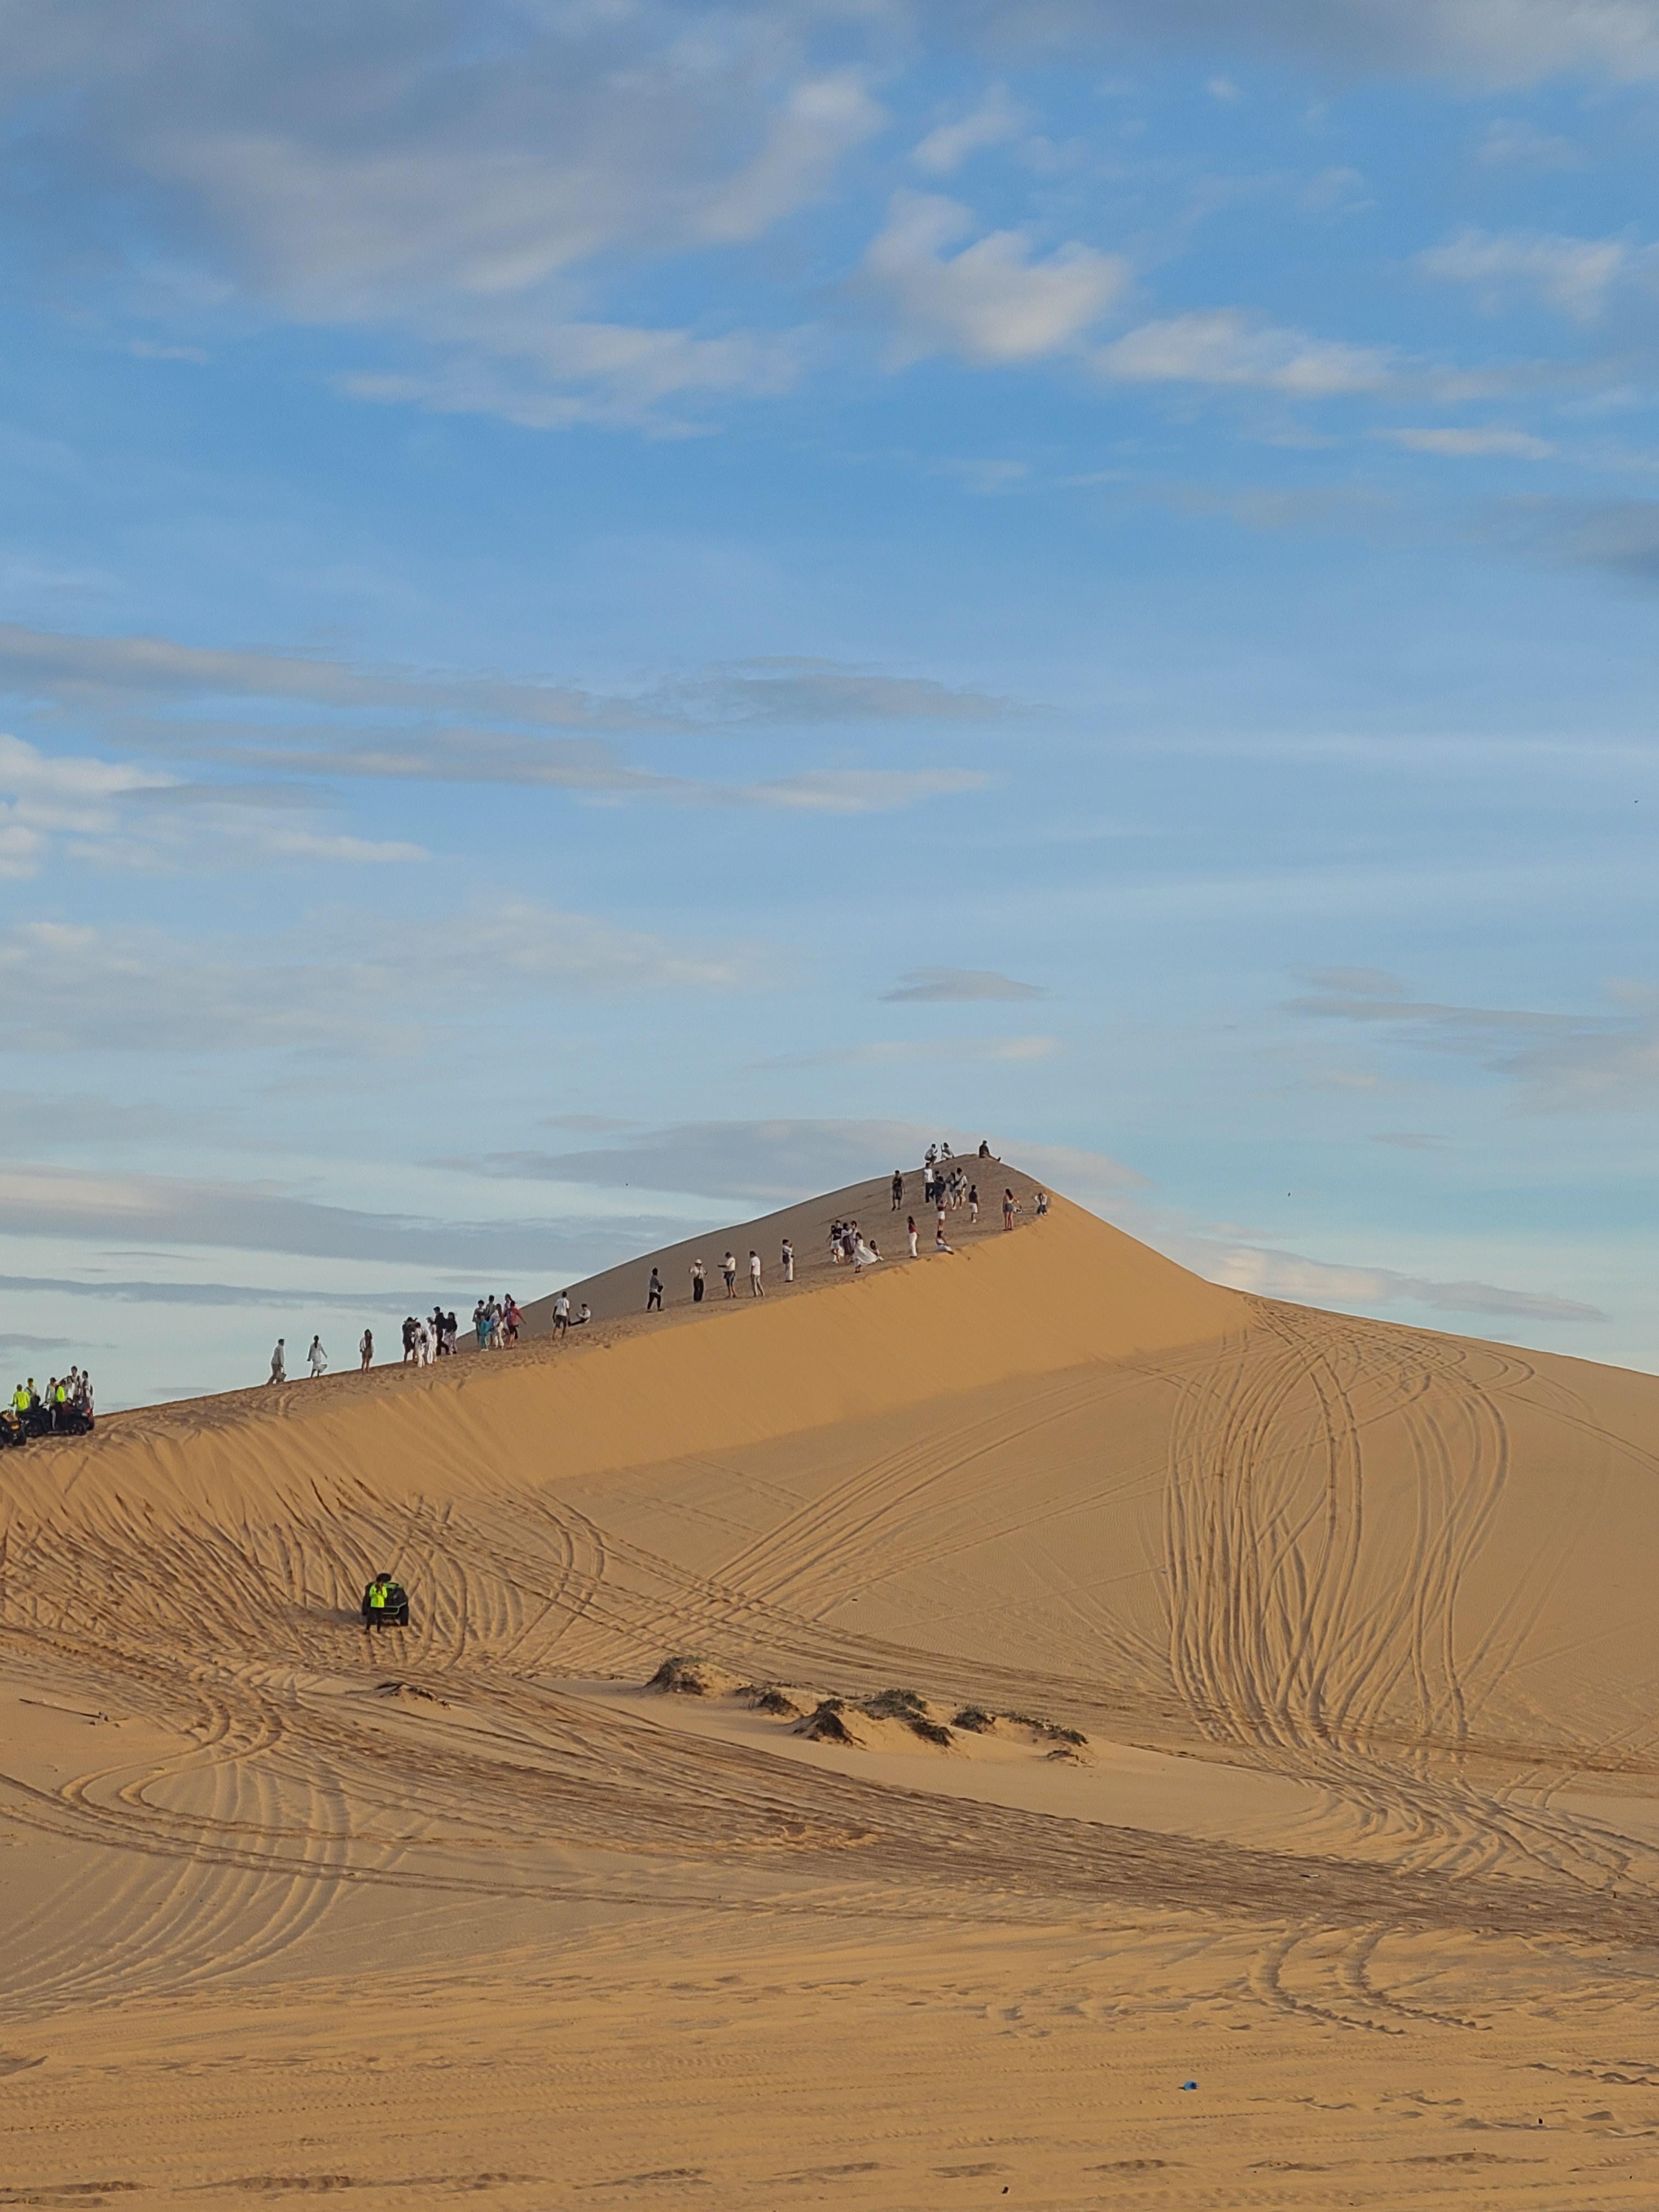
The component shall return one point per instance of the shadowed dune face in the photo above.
(1327, 1765)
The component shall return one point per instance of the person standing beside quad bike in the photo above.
(385, 1603)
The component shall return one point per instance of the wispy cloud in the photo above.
(112, 1210)
(71, 987)
(1471, 444)
(1566, 1062)
(1228, 346)
(1289, 1275)
(956, 985)
(992, 121)
(779, 1160)
(1573, 275)
(897, 1052)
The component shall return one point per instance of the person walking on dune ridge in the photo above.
(757, 1288)
(729, 1275)
(278, 1363)
(365, 1352)
(898, 1190)
(653, 1294)
(788, 1256)
(910, 1233)
(317, 1358)
(699, 1282)
(1010, 1208)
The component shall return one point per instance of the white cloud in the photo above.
(1573, 275)
(1226, 346)
(993, 123)
(1471, 444)
(1510, 142)
(995, 301)
(1222, 89)
(116, 814)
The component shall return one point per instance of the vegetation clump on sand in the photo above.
(768, 1697)
(975, 1720)
(827, 1723)
(829, 1716)
(683, 1674)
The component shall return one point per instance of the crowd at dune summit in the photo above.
(948, 1186)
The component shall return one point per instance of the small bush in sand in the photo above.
(685, 1675)
(1054, 1734)
(930, 1731)
(766, 1698)
(826, 1725)
(895, 1705)
(975, 1720)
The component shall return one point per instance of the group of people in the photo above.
(63, 1408)
(946, 1185)
(563, 1320)
(495, 1323)
(850, 1248)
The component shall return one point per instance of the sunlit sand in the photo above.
(1264, 1808)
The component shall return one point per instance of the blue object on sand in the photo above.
(1189, 2084)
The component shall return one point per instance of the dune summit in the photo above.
(1019, 1725)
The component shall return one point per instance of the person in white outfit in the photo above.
(318, 1357)
(757, 1288)
(423, 1342)
(788, 1261)
(864, 1255)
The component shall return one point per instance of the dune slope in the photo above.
(1164, 1686)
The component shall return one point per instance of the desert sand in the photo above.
(1116, 1741)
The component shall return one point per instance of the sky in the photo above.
(612, 613)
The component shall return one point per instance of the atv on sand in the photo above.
(392, 1610)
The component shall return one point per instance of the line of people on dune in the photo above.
(63, 1408)
(495, 1324)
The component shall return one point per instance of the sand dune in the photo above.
(1235, 1694)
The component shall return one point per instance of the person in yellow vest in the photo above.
(20, 1401)
(374, 1598)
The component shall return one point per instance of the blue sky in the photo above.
(610, 613)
